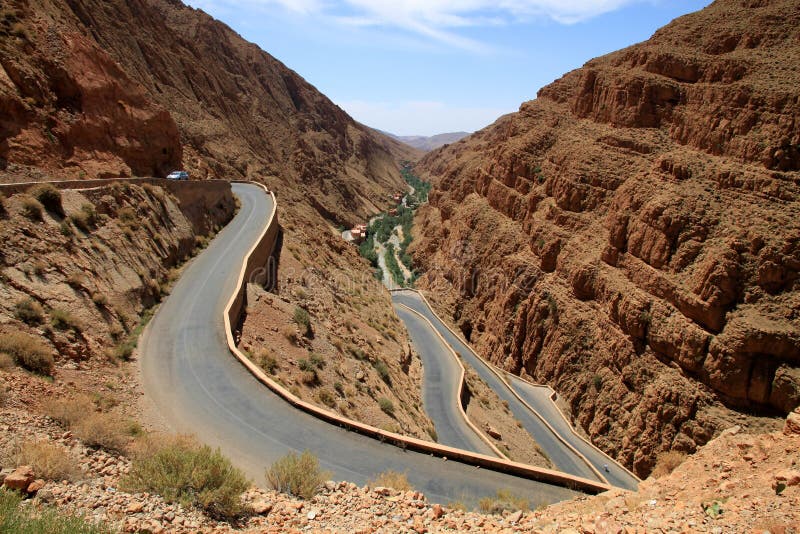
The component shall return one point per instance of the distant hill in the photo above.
(429, 143)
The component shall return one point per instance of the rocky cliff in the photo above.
(631, 236)
(87, 94)
(66, 104)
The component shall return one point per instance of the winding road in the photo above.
(553, 437)
(199, 388)
(440, 387)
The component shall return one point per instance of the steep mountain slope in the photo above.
(130, 87)
(631, 237)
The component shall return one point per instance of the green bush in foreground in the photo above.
(297, 474)
(30, 520)
(182, 471)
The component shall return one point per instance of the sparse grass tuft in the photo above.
(49, 197)
(6, 362)
(66, 229)
(69, 412)
(597, 382)
(387, 406)
(64, 320)
(32, 208)
(127, 216)
(266, 361)
(318, 360)
(99, 299)
(310, 378)
(303, 320)
(327, 398)
(666, 462)
(290, 334)
(503, 501)
(28, 520)
(28, 352)
(182, 471)
(124, 351)
(298, 475)
(48, 460)
(392, 479)
(76, 280)
(104, 431)
(29, 312)
(383, 371)
(86, 219)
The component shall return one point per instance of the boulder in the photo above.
(792, 425)
(35, 486)
(261, 507)
(20, 478)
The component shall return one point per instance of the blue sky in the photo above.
(421, 67)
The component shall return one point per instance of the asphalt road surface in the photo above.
(563, 458)
(441, 381)
(199, 387)
(539, 398)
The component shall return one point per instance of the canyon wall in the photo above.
(632, 238)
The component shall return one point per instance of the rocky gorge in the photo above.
(631, 236)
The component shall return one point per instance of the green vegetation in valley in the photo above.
(380, 231)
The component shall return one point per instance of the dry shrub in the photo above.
(85, 219)
(49, 197)
(64, 320)
(28, 351)
(387, 406)
(29, 312)
(297, 474)
(327, 398)
(31, 208)
(181, 470)
(666, 462)
(309, 378)
(48, 460)
(126, 215)
(503, 501)
(6, 362)
(69, 412)
(290, 333)
(392, 479)
(76, 280)
(103, 430)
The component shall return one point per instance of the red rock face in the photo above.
(242, 114)
(68, 106)
(632, 236)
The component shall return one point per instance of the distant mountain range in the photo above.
(429, 143)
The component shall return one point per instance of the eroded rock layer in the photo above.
(632, 236)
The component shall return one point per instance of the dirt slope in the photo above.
(631, 236)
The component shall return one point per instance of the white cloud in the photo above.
(421, 117)
(439, 20)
